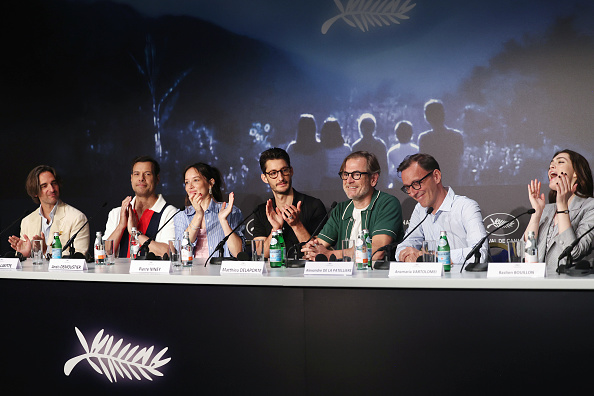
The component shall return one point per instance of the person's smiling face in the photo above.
(561, 164)
(362, 189)
(427, 194)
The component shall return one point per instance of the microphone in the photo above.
(224, 240)
(475, 267)
(321, 257)
(388, 248)
(567, 253)
(145, 245)
(68, 244)
(296, 262)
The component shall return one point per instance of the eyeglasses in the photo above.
(416, 185)
(274, 173)
(356, 175)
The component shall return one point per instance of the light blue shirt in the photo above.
(214, 231)
(46, 226)
(460, 217)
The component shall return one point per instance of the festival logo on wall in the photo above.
(497, 219)
(111, 359)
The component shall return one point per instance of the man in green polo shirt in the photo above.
(367, 208)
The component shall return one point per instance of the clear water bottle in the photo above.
(134, 244)
(368, 242)
(99, 249)
(443, 251)
(531, 249)
(361, 256)
(187, 254)
(56, 246)
(276, 252)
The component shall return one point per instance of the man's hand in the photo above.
(124, 210)
(409, 254)
(314, 247)
(22, 246)
(274, 218)
(291, 214)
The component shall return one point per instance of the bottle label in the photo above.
(273, 241)
(99, 254)
(275, 255)
(186, 256)
(361, 256)
(56, 253)
(443, 242)
(444, 257)
(134, 250)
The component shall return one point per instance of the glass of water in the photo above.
(429, 251)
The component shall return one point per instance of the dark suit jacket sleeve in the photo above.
(317, 215)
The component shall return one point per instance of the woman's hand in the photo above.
(226, 208)
(537, 199)
(196, 201)
(564, 191)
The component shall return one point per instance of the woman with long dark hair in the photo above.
(206, 217)
(570, 211)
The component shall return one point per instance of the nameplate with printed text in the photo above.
(150, 266)
(229, 267)
(415, 270)
(10, 263)
(328, 268)
(67, 265)
(516, 270)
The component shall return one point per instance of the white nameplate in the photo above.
(403, 270)
(67, 265)
(229, 267)
(516, 270)
(10, 263)
(328, 268)
(150, 266)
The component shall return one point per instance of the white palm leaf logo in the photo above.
(108, 359)
(365, 13)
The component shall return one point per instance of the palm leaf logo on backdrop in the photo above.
(127, 362)
(365, 13)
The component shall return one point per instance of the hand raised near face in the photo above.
(537, 199)
(291, 214)
(274, 218)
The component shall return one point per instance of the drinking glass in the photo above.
(37, 251)
(109, 252)
(515, 251)
(258, 249)
(429, 251)
(173, 249)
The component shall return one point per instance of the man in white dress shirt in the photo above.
(458, 215)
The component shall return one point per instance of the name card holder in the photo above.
(150, 266)
(328, 268)
(10, 263)
(229, 267)
(415, 270)
(516, 270)
(67, 265)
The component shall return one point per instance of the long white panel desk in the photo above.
(286, 333)
(294, 277)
